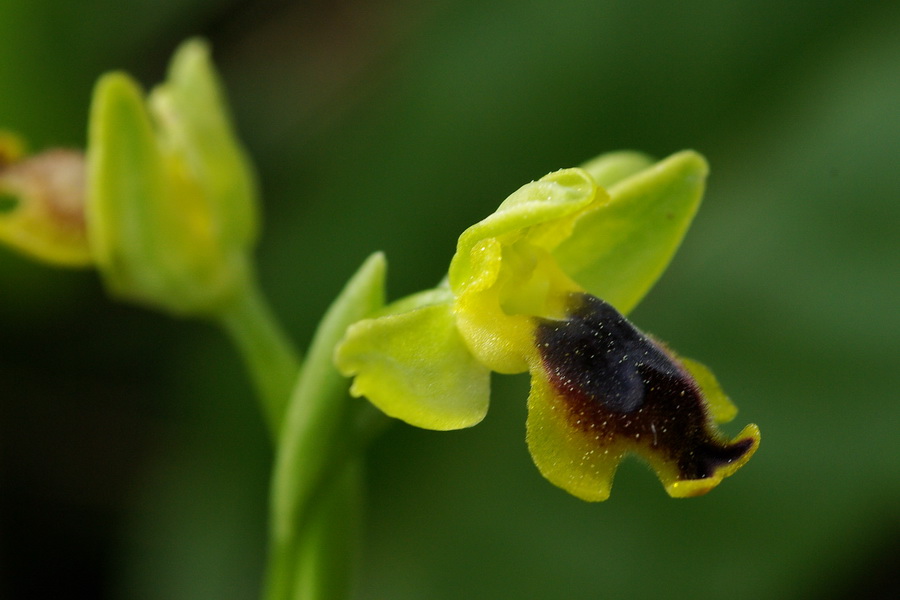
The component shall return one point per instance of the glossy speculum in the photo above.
(627, 390)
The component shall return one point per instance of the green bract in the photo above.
(172, 197)
(522, 294)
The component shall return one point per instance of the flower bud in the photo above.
(172, 202)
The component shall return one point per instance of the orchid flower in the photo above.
(541, 286)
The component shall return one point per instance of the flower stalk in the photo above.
(271, 359)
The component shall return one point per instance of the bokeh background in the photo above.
(134, 464)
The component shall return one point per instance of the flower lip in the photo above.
(626, 391)
(598, 354)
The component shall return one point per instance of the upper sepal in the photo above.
(618, 249)
(195, 128)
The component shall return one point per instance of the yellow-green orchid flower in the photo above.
(524, 293)
(44, 196)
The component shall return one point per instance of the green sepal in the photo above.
(128, 191)
(619, 249)
(195, 127)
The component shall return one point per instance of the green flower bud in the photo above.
(171, 209)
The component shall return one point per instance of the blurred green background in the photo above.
(134, 464)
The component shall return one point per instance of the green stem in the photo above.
(271, 359)
(316, 562)
(326, 554)
(318, 435)
(320, 439)
(316, 527)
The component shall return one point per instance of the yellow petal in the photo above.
(415, 367)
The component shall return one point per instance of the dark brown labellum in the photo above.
(622, 386)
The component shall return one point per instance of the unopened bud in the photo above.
(172, 203)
